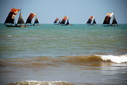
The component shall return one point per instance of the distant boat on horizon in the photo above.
(10, 20)
(110, 20)
(65, 21)
(29, 19)
(36, 22)
(57, 21)
(20, 22)
(91, 20)
(68, 22)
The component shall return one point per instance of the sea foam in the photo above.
(114, 58)
(34, 82)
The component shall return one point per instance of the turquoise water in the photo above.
(79, 54)
(54, 40)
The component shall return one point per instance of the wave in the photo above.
(99, 58)
(34, 82)
(96, 60)
(114, 58)
(43, 61)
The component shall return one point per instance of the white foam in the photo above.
(34, 82)
(114, 58)
(44, 81)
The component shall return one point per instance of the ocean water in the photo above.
(77, 54)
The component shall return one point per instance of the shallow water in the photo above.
(78, 54)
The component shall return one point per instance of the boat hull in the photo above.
(16, 25)
(108, 25)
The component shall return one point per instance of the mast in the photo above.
(20, 19)
(30, 17)
(11, 16)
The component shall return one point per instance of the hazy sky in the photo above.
(78, 11)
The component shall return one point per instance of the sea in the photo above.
(51, 54)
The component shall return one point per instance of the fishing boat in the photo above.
(29, 19)
(57, 21)
(114, 22)
(110, 20)
(91, 21)
(20, 22)
(65, 21)
(36, 22)
(10, 20)
(68, 22)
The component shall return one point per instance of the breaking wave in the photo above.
(114, 58)
(43, 61)
(99, 58)
(34, 82)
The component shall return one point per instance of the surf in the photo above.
(114, 58)
(34, 82)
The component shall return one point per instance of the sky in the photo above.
(78, 11)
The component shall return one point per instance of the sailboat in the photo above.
(91, 20)
(57, 21)
(114, 22)
(36, 22)
(20, 22)
(108, 18)
(65, 21)
(29, 19)
(9, 22)
(68, 22)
